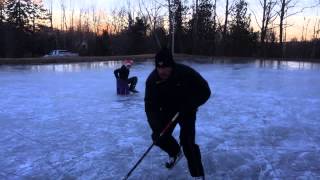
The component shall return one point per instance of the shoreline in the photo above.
(141, 57)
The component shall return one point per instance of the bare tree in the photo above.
(195, 16)
(268, 17)
(80, 20)
(50, 14)
(63, 16)
(316, 29)
(86, 25)
(285, 6)
(171, 25)
(98, 22)
(215, 14)
(305, 29)
(72, 16)
(94, 19)
(152, 15)
(227, 12)
(119, 20)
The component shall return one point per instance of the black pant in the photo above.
(191, 150)
(132, 82)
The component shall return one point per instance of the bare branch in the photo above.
(304, 8)
(255, 17)
(152, 18)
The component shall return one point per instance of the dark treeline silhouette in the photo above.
(26, 30)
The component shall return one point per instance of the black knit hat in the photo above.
(164, 58)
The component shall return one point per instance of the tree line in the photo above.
(26, 30)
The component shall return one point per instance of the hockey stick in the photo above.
(150, 147)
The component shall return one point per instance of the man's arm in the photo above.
(150, 104)
(202, 88)
(116, 73)
(198, 91)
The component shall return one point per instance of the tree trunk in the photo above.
(226, 20)
(153, 21)
(215, 15)
(263, 30)
(282, 13)
(50, 16)
(213, 49)
(19, 22)
(170, 22)
(225, 26)
(195, 29)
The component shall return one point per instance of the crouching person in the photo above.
(123, 72)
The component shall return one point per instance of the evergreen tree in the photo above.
(137, 34)
(204, 27)
(25, 14)
(37, 14)
(23, 18)
(103, 44)
(178, 10)
(243, 40)
(2, 18)
(17, 13)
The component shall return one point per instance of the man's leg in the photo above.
(132, 83)
(167, 142)
(190, 148)
(158, 122)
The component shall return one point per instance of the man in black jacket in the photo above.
(123, 74)
(172, 88)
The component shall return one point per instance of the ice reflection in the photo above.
(76, 67)
(261, 63)
(289, 65)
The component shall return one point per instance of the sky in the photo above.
(308, 18)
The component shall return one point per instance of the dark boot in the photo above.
(199, 178)
(133, 82)
(133, 90)
(173, 160)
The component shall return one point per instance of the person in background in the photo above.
(123, 72)
(172, 88)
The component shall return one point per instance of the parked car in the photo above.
(60, 53)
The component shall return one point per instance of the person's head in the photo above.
(164, 63)
(128, 63)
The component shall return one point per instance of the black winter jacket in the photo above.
(122, 73)
(185, 90)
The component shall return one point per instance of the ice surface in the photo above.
(66, 122)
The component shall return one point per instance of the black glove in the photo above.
(155, 137)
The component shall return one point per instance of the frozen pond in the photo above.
(66, 122)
